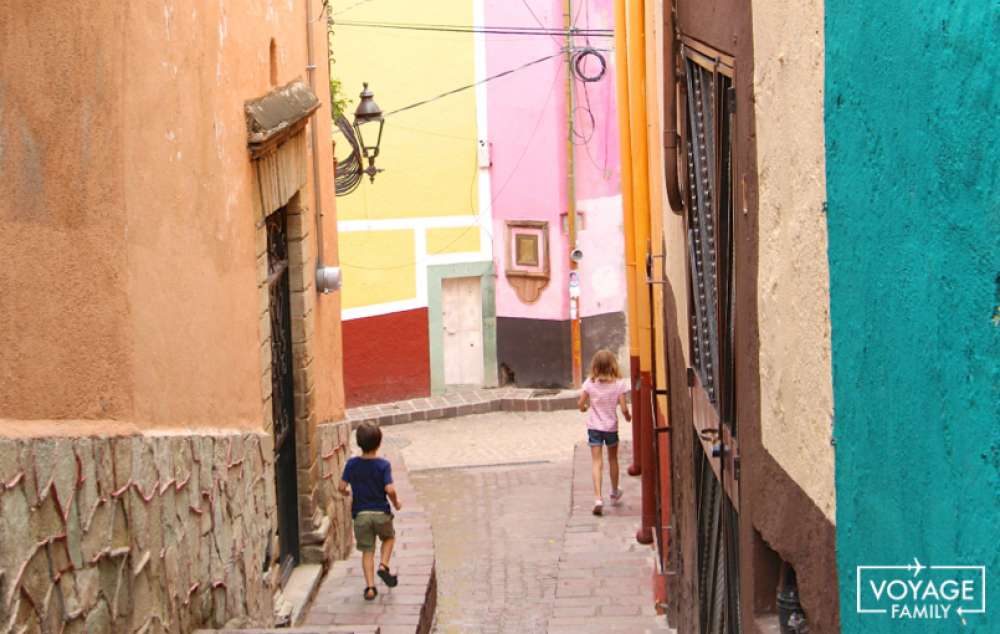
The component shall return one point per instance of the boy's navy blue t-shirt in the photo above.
(368, 478)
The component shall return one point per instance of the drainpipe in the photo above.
(327, 277)
(625, 162)
(574, 285)
(670, 111)
(640, 200)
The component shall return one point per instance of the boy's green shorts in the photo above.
(371, 524)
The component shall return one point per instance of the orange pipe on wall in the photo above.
(625, 150)
(636, 39)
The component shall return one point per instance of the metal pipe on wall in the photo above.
(636, 35)
(574, 290)
(314, 139)
(670, 111)
(625, 152)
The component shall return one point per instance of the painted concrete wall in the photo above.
(429, 187)
(528, 131)
(914, 251)
(428, 208)
(437, 205)
(796, 390)
(130, 286)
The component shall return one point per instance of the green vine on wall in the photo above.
(339, 103)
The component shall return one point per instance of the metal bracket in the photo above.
(649, 268)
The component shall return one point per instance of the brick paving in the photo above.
(518, 549)
(605, 576)
(464, 402)
(515, 547)
(492, 439)
(409, 607)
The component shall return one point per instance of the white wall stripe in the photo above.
(390, 224)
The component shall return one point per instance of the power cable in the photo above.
(475, 83)
(493, 199)
(487, 30)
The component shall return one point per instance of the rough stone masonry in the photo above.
(143, 533)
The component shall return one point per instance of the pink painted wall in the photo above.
(527, 113)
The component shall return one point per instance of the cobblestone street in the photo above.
(516, 551)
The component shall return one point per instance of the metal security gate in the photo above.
(282, 391)
(710, 121)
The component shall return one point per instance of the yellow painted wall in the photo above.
(453, 240)
(379, 266)
(429, 153)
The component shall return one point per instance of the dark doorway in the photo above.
(282, 392)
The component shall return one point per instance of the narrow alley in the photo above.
(517, 549)
(301, 300)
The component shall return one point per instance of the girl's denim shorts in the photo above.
(596, 438)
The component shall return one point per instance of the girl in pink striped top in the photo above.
(603, 393)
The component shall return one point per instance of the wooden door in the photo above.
(462, 322)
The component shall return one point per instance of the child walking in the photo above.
(603, 393)
(370, 479)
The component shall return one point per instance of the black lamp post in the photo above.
(366, 114)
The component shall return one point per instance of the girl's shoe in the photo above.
(598, 507)
(616, 496)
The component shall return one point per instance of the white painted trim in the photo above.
(380, 309)
(390, 224)
(472, 257)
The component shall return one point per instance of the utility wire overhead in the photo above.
(487, 30)
(476, 83)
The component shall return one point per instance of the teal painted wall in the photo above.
(912, 110)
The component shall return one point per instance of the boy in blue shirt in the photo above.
(370, 479)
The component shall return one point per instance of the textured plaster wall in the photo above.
(130, 281)
(63, 295)
(429, 153)
(914, 247)
(796, 390)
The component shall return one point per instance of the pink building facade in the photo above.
(531, 159)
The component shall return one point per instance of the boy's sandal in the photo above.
(374, 593)
(388, 578)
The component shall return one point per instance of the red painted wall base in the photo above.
(386, 358)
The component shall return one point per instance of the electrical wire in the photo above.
(475, 83)
(349, 7)
(493, 199)
(487, 30)
(349, 173)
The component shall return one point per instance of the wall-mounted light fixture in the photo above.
(366, 114)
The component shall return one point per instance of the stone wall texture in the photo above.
(333, 535)
(141, 533)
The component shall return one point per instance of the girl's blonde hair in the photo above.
(604, 366)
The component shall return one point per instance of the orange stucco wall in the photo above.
(128, 283)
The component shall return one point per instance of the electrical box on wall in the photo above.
(485, 153)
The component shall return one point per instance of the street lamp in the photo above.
(366, 114)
